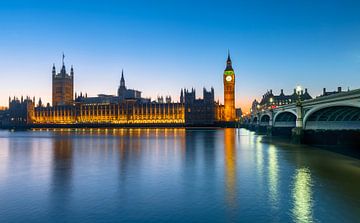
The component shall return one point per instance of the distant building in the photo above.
(160, 99)
(124, 94)
(99, 99)
(326, 93)
(270, 100)
(62, 86)
(168, 99)
(19, 114)
(238, 113)
(2, 117)
(199, 111)
(125, 108)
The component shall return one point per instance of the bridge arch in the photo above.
(254, 120)
(288, 110)
(333, 117)
(265, 119)
(285, 119)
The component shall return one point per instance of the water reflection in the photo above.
(62, 167)
(259, 157)
(159, 175)
(273, 176)
(302, 196)
(4, 159)
(123, 159)
(230, 167)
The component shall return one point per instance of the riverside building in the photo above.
(127, 108)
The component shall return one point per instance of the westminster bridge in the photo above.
(330, 119)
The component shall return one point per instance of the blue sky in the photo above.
(166, 45)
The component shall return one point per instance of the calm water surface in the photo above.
(171, 175)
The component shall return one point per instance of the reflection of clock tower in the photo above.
(229, 91)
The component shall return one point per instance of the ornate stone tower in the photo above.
(62, 86)
(122, 87)
(229, 91)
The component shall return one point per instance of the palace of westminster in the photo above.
(127, 108)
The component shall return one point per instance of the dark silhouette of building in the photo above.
(199, 111)
(19, 114)
(3, 113)
(123, 94)
(238, 113)
(326, 93)
(269, 100)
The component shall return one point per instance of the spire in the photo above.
(181, 96)
(72, 71)
(63, 70)
(229, 63)
(122, 81)
(40, 102)
(53, 70)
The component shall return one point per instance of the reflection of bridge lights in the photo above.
(302, 207)
(259, 159)
(258, 139)
(273, 175)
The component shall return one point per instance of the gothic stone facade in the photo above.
(126, 108)
(62, 87)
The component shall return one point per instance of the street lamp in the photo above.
(299, 116)
(298, 92)
(271, 100)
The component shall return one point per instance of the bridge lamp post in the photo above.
(299, 123)
(271, 100)
(298, 132)
(298, 92)
(257, 112)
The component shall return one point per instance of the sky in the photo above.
(164, 46)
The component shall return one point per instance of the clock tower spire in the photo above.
(229, 91)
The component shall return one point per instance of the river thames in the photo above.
(171, 175)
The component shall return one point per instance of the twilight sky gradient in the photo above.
(166, 45)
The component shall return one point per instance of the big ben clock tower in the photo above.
(229, 91)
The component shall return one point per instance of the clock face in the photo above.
(228, 78)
